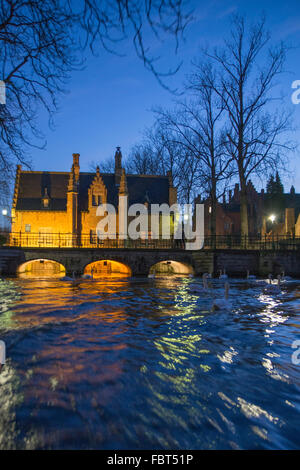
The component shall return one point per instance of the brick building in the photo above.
(228, 221)
(59, 208)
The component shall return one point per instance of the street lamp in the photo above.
(5, 214)
(272, 218)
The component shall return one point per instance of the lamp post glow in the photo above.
(4, 211)
(272, 218)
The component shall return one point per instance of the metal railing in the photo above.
(222, 242)
(238, 242)
(67, 240)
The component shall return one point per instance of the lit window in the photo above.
(96, 200)
(27, 228)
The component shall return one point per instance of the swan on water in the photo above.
(208, 275)
(204, 288)
(68, 278)
(223, 302)
(224, 275)
(152, 276)
(273, 288)
(250, 276)
(88, 276)
(285, 278)
(204, 279)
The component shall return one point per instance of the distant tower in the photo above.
(118, 165)
(123, 206)
(72, 196)
(76, 166)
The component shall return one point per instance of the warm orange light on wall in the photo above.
(103, 268)
(171, 267)
(41, 268)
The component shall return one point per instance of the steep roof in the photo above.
(32, 189)
(141, 188)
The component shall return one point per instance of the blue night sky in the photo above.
(109, 102)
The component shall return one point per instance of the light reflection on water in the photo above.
(138, 363)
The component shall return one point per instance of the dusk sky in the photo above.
(109, 102)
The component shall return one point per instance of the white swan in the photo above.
(224, 275)
(68, 278)
(198, 289)
(285, 278)
(204, 280)
(250, 276)
(222, 303)
(208, 275)
(88, 276)
(273, 288)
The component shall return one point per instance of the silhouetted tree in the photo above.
(160, 152)
(247, 67)
(275, 201)
(197, 128)
(41, 44)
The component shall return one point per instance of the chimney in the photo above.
(123, 190)
(170, 176)
(118, 165)
(76, 166)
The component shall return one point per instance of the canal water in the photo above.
(140, 363)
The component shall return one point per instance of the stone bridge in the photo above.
(76, 259)
(236, 262)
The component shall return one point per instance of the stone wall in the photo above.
(10, 259)
(235, 262)
(261, 263)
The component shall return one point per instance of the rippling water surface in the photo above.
(144, 364)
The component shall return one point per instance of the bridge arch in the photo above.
(108, 267)
(170, 267)
(41, 267)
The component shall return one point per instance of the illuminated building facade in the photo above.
(59, 208)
